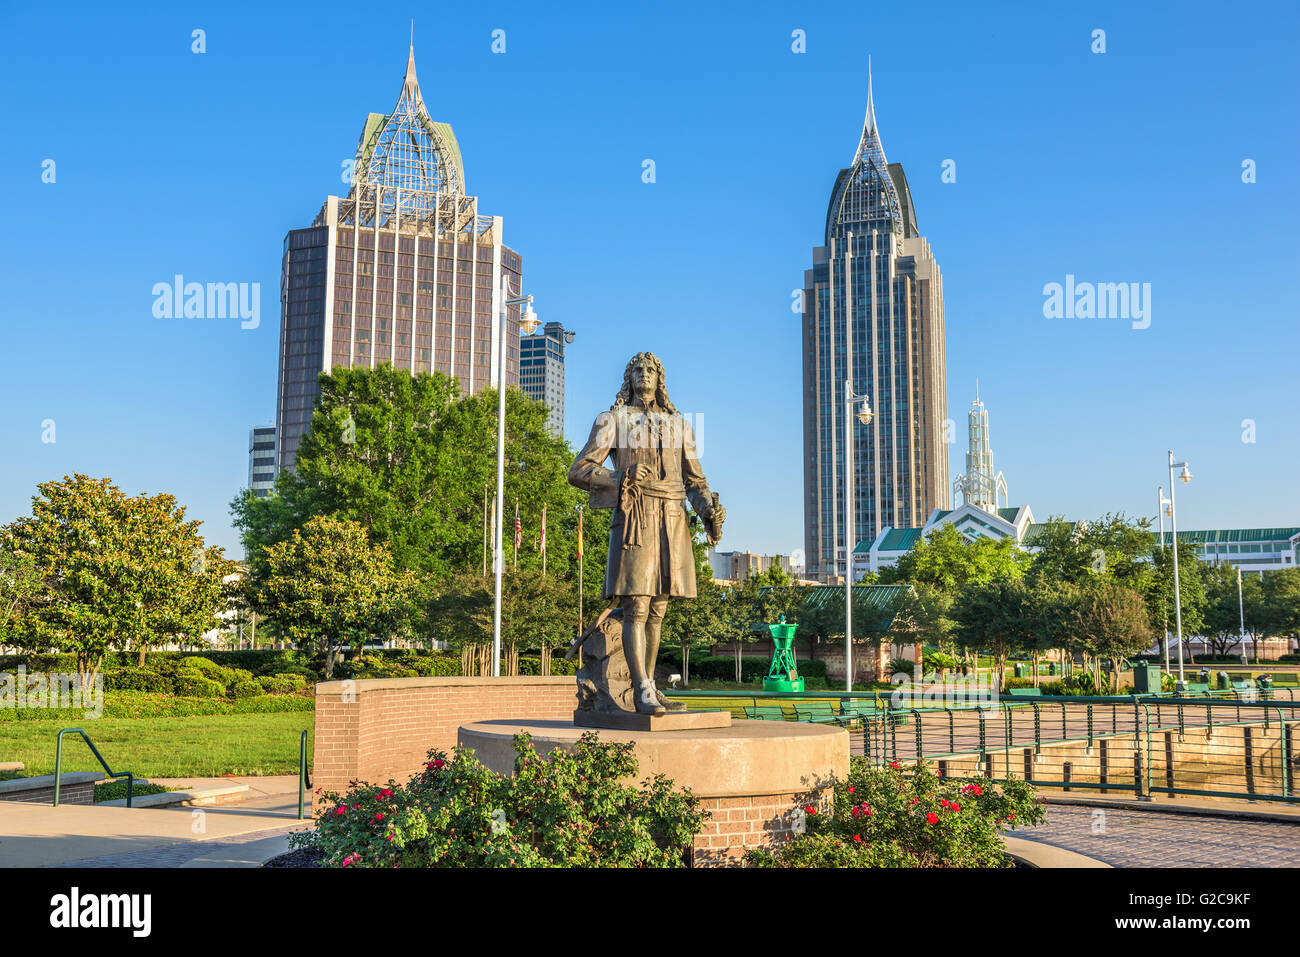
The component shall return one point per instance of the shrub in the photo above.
(204, 666)
(939, 661)
(115, 790)
(723, 668)
(281, 684)
(893, 818)
(902, 665)
(136, 679)
(565, 810)
(1079, 683)
(244, 688)
(191, 684)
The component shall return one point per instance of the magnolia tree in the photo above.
(104, 571)
(328, 587)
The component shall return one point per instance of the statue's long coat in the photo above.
(652, 555)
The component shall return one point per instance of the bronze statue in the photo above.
(655, 474)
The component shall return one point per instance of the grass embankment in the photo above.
(201, 746)
(156, 735)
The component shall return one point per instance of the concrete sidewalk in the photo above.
(259, 786)
(39, 835)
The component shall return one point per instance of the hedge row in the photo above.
(723, 668)
(141, 704)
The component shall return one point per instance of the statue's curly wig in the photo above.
(661, 390)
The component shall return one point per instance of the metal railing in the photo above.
(302, 774)
(1239, 744)
(58, 765)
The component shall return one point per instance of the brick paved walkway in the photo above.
(1153, 839)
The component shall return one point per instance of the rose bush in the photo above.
(564, 810)
(885, 817)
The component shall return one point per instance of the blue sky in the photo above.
(1116, 167)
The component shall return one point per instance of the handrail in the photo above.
(58, 765)
(302, 772)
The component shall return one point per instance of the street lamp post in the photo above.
(527, 322)
(863, 415)
(1186, 476)
(1161, 502)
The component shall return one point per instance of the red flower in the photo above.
(894, 764)
(916, 800)
(858, 838)
(379, 816)
(340, 810)
(943, 802)
(956, 806)
(1011, 817)
(435, 764)
(932, 818)
(809, 809)
(852, 789)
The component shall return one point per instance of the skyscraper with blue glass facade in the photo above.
(872, 317)
(541, 370)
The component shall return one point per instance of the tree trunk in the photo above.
(140, 662)
(737, 647)
(686, 663)
(1034, 660)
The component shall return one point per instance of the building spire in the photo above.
(869, 145)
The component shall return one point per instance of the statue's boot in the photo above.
(647, 699)
(644, 695)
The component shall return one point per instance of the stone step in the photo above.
(196, 797)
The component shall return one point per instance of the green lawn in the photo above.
(166, 747)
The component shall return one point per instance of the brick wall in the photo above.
(381, 728)
(739, 823)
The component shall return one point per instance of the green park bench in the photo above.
(766, 712)
(1025, 692)
(823, 712)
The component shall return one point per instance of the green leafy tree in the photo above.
(121, 572)
(947, 561)
(328, 587)
(995, 616)
(1158, 591)
(21, 588)
(1280, 595)
(1222, 617)
(1107, 620)
(409, 459)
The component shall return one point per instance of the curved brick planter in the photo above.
(750, 776)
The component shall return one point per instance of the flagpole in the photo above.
(580, 563)
(516, 565)
(543, 539)
(485, 527)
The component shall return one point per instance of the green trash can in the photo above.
(1051, 667)
(1019, 671)
(1146, 679)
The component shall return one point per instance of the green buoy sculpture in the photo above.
(783, 675)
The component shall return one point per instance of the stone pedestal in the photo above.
(750, 776)
(669, 721)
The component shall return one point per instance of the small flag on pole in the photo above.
(519, 528)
